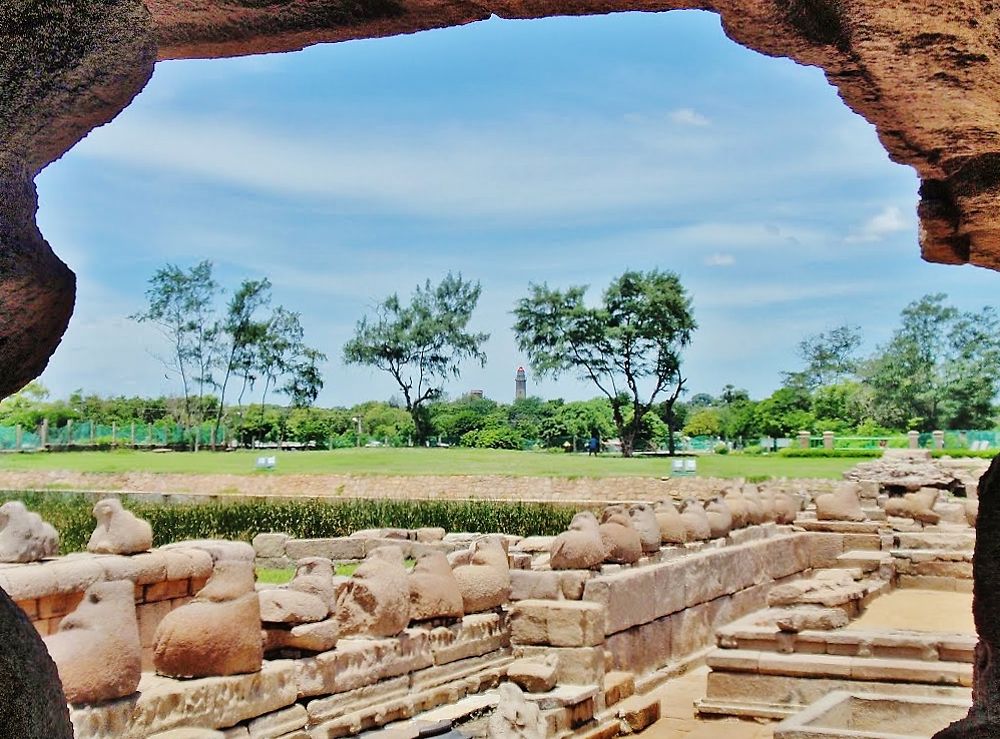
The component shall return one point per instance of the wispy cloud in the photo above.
(720, 260)
(689, 117)
(887, 221)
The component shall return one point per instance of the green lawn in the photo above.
(388, 461)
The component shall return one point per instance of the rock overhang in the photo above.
(925, 75)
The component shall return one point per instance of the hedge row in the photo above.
(844, 453)
(241, 520)
(877, 453)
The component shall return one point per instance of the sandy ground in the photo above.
(920, 610)
(913, 610)
(678, 719)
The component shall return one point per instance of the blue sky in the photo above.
(563, 150)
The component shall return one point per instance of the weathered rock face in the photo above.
(485, 581)
(983, 720)
(672, 529)
(580, 547)
(24, 536)
(32, 703)
(922, 74)
(376, 599)
(63, 72)
(434, 590)
(622, 544)
(515, 717)
(118, 531)
(217, 633)
(97, 646)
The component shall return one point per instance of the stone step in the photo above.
(606, 729)
(638, 712)
(776, 696)
(617, 687)
(830, 666)
(866, 560)
(952, 541)
(848, 642)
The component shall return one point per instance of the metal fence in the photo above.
(77, 434)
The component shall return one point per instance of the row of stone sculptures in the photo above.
(924, 506)
(25, 537)
(625, 532)
(226, 627)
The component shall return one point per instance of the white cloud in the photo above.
(887, 221)
(689, 117)
(720, 260)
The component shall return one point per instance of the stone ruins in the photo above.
(503, 636)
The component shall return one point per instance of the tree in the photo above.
(629, 346)
(829, 357)
(181, 304)
(242, 334)
(784, 413)
(939, 368)
(422, 343)
(706, 422)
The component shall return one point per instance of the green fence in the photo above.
(79, 434)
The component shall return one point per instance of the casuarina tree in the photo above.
(421, 343)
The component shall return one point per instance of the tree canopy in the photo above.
(629, 346)
(421, 343)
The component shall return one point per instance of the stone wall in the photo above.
(164, 579)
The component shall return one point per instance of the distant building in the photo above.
(520, 384)
(476, 394)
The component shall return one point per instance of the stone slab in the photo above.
(163, 703)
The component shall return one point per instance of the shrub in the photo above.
(840, 453)
(241, 520)
(979, 454)
(494, 437)
(721, 448)
(753, 449)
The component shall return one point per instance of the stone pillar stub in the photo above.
(938, 439)
(804, 439)
(913, 437)
(828, 440)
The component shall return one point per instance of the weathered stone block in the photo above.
(278, 723)
(475, 635)
(644, 648)
(184, 564)
(338, 549)
(557, 623)
(576, 665)
(270, 545)
(163, 703)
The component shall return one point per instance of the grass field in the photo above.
(414, 462)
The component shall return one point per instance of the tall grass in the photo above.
(70, 513)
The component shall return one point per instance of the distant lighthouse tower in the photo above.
(520, 385)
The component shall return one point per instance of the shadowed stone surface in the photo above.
(32, 704)
(983, 721)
